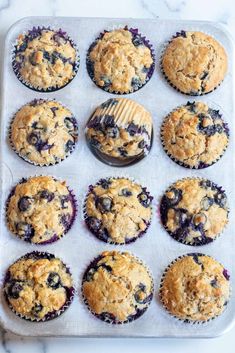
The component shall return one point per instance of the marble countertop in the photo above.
(222, 11)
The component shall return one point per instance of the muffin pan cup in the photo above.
(156, 172)
(69, 291)
(189, 321)
(15, 66)
(25, 157)
(180, 33)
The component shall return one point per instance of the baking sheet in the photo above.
(156, 171)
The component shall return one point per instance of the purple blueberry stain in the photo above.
(226, 274)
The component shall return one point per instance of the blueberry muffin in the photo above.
(121, 130)
(117, 287)
(194, 211)
(194, 135)
(44, 60)
(120, 61)
(194, 63)
(117, 210)
(40, 210)
(195, 288)
(43, 132)
(38, 287)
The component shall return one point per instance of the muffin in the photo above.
(194, 211)
(118, 210)
(43, 132)
(194, 63)
(195, 288)
(194, 135)
(38, 287)
(40, 210)
(117, 287)
(120, 61)
(45, 60)
(120, 131)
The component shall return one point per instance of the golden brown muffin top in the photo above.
(194, 62)
(195, 288)
(118, 63)
(194, 135)
(117, 287)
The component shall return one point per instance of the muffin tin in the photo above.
(156, 171)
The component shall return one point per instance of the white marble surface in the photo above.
(215, 10)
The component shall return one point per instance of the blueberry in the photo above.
(25, 230)
(113, 132)
(65, 219)
(181, 217)
(196, 259)
(22, 47)
(108, 317)
(24, 203)
(37, 309)
(218, 128)
(205, 184)
(126, 192)
(214, 283)
(220, 199)
(180, 34)
(64, 200)
(137, 40)
(109, 103)
(133, 129)
(191, 106)
(173, 196)
(104, 204)
(46, 55)
(69, 146)
(57, 56)
(145, 69)
(33, 138)
(89, 275)
(34, 125)
(70, 123)
(54, 109)
(215, 114)
(95, 143)
(14, 289)
(108, 121)
(142, 144)
(93, 223)
(204, 75)
(32, 59)
(135, 83)
(107, 81)
(105, 183)
(53, 280)
(122, 151)
(206, 203)
(45, 194)
(145, 199)
(226, 274)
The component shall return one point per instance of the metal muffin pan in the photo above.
(157, 249)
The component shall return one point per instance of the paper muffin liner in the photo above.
(182, 34)
(85, 216)
(201, 164)
(34, 101)
(108, 317)
(55, 237)
(206, 240)
(136, 34)
(117, 161)
(190, 321)
(70, 291)
(16, 67)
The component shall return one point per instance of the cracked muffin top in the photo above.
(195, 288)
(40, 210)
(194, 62)
(194, 211)
(120, 128)
(194, 135)
(38, 286)
(44, 132)
(44, 59)
(117, 210)
(120, 61)
(117, 287)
